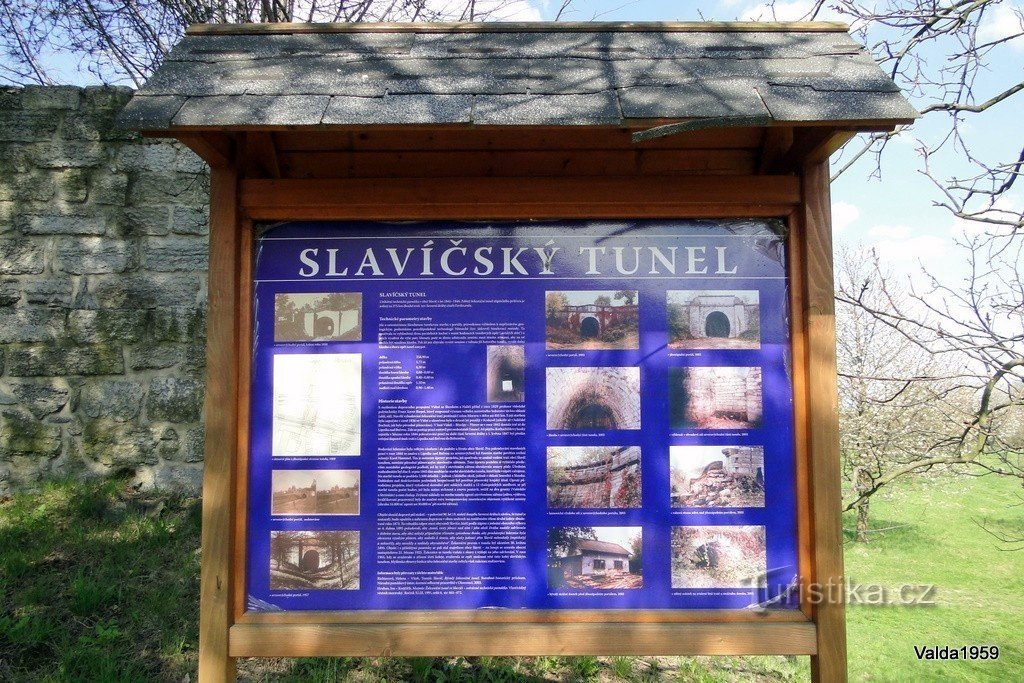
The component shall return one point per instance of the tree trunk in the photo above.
(863, 483)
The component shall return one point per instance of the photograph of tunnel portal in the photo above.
(314, 560)
(719, 557)
(594, 477)
(328, 316)
(593, 398)
(714, 319)
(592, 319)
(715, 397)
(506, 374)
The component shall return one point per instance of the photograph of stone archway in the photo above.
(718, 557)
(585, 398)
(593, 476)
(720, 319)
(314, 560)
(506, 374)
(326, 316)
(592, 320)
(714, 397)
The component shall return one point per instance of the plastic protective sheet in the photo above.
(550, 415)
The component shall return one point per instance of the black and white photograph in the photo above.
(329, 316)
(315, 492)
(314, 560)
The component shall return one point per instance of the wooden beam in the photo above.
(777, 141)
(519, 197)
(814, 145)
(216, 149)
(829, 664)
(216, 575)
(525, 615)
(520, 640)
(261, 149)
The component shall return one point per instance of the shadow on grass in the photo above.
(885, 531)
(98, 583)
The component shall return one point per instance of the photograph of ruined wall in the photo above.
(506, 374)
(315, 492)
(592, 320)
(595, 558)
(314, 560)
(593, 398)
(317, 404)
(594, 477)
(718, 557)
(335, 316)
(701, 319)
(715, 397)
(716, 476)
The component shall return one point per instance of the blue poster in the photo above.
(522, 415)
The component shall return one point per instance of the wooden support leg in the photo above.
(829, 665)
(215, 598)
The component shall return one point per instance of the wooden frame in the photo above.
(227, 631)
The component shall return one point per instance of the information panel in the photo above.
(557, 415)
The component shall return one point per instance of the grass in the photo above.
(99, 583)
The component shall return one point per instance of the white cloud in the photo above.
(890, 232)
(1002, 21)
(844, 214)
(923, 248)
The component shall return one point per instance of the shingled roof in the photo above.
(592, 74)
(605, 547)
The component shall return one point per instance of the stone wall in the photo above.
(103, 256)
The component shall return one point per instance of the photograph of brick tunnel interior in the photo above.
(715, 397)
(506, 374)
(592, 320)
(593, 398)
(335, 316)
(716, 476)
(315, 492)
(718, 557)
(714, 319)
(595, 558)
(314, 560)
(594, 477)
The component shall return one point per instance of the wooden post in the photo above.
(215, 599)
(829, 664)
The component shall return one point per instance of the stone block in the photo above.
(21, 256)
(169, 444)
(69, 154)
(194, 362)
(51, 97)
(57, 361)
(156, 356)
(145, 290)
(181, 324)
(145, 220)
(10, 292)
(27, 126)
(72, 185)
(189, 162)
(52, 291)
(193, 445)
(63, 224)
(118, 444)
(108, 188)
(30, 324)
(118, 400)
(41, 398)
(172, 254)
(22, 434)
(169, 188)
(175, 400)
(95, 255)
(179, 477)
(110, 326)
(189, 221)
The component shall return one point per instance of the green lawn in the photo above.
(98, 584)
